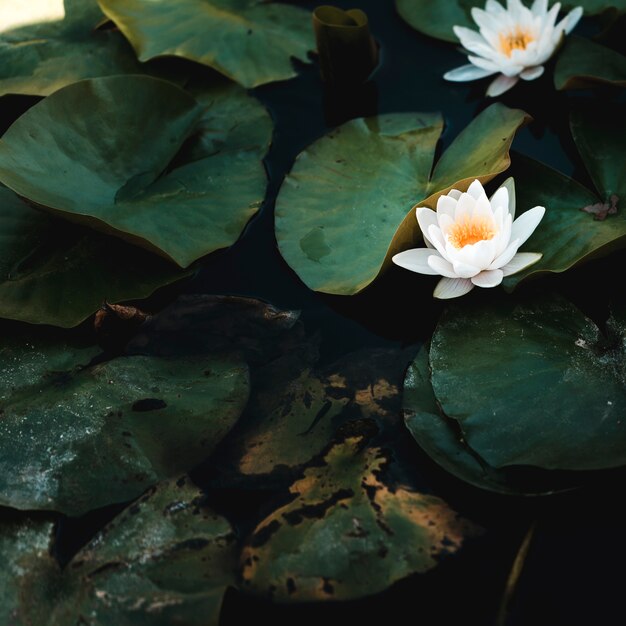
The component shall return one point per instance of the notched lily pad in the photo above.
(346, 534)
(176, 175)
(583, 63)
(341, 213)
(534, 383)
(52, 272)
(75, 436)
(568, 234)
(249, 41)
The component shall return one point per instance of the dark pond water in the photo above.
(568, 577)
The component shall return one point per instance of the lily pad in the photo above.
(115, 163)
(346, 535)
(167, 559)
(52, 272)
(40, 58)
(340, 212)
(579, 224)
(583, 63)
(436, 18)
(533, 383)
(75, 436)
(249, 41)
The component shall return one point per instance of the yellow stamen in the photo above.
(516, 40)
(470, 230)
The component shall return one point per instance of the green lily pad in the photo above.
(249, 41)
(120, 162)
(346, 535)
(52, 272)
(75, 436)
(340, 212)
(577, 225)
(583, 63)
(25, 550)
(436, 18)
(40, 58)
(166, 559)
(533, 384)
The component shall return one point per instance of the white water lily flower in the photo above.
(472, 240)
(514, 42)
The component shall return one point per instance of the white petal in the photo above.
(539, 7)
(483, 208)
(445, 223)
(462, 270)
(488, 278)
(452, 288)
(486, 20)
(495, 7)
(490, 65)
(446, 205)
(573, 17)
(425, 218)
(478, 256)
(436, 236)
(454, 193)
(520, 262)
(466, 73)
(476, 190)
(415, 260)
(524, 226)
(505, 235)
(473, 41)
(500, 199)
(530, 73)
(506, 255)
(500, 85)
(550, 18)
(509, 185)
(441, 266)
(464, 206)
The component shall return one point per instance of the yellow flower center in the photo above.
(517, 40)
(470, 230)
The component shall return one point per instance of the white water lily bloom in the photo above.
(472, 240)
(514, 42)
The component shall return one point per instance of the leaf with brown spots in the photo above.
(346, 534)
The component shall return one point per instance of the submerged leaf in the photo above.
(75, 436)
(346, 534)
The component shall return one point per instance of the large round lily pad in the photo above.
(340, 212)
(52, 272)
(45, 55)
(346, 534)
(249, 41)
(113, 153)
(75, 436)
(167, 559)
(579, 224)
(533, 383)
(436, 18)
(583, 63)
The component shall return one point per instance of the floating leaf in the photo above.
(107, 153)
(340, 212)
(346, 534)
(249, 41)
(55, 273)
(583, 63)
(436, 18)
(75, 436)
(164, 560)
(39, 58)
(533, 384)
(568, 234)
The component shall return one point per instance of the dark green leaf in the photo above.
(75, 437)
(249, 41)
(107, 153)
(533, 384)
(55, 273)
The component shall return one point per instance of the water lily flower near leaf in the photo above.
(512, 42)
(472, 241)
